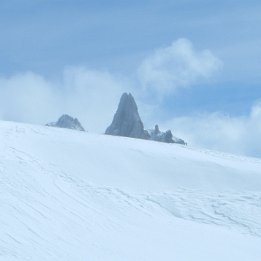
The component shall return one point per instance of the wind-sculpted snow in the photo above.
(236, 210)
(67, 195)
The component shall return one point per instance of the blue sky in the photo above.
(46, 37)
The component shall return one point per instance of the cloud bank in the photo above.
(178, 65)
(90, 95)
(240, 135)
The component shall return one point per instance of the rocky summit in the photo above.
(166, 136)
(67, 122)
(127, 121)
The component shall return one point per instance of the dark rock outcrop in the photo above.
(166, 137)
(127, 121)
(179, 141)
(67, 122)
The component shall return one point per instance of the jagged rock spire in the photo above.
(156, 130)
(127, 121)
(162, 136)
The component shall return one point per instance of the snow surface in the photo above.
(68, 195)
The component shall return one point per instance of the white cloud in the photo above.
(90, 95)
(178, 65)
(26, 97)
(240, 135)
(93, 96)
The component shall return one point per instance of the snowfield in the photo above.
(69, 195)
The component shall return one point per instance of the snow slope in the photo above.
(68, 195)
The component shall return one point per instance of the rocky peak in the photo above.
(126, 121)
(68, 122)
(156, 130)
(161, 136)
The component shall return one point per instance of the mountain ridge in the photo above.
(127, 123)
